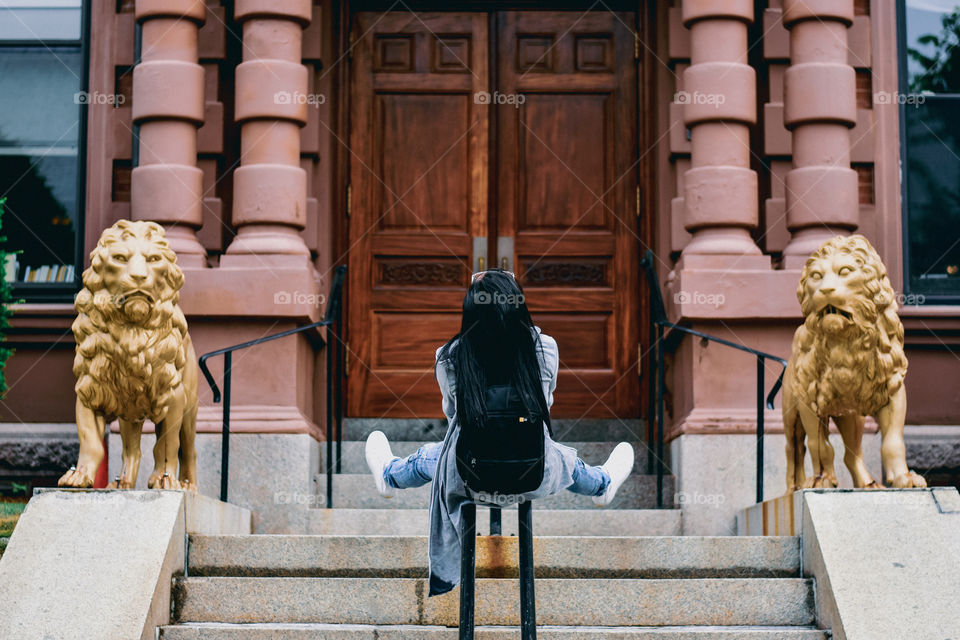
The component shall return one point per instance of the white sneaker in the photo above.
(379, 455)
(618, 467)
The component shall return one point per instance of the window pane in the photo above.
(40, 214)
(26, 20)
(39, 105)
(933, 54)
(39, 141)
(933, 196)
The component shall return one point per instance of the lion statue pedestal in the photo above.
(135, 360)
(847, 362)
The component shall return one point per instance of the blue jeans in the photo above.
(418, 469)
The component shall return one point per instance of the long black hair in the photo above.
(497, 344)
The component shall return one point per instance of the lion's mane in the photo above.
(858, 372)
(124, 369)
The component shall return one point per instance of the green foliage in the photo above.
(6, 299)
(941, 69)
(9, 514)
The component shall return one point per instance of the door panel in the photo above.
(563, 209)
(418, 178)
(566, 184)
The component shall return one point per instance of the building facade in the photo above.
(417, 143)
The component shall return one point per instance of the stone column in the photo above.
(820, 107)
(166, 186)
(720, 189)
(270, 187)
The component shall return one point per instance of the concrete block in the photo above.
(327, 631)
(547, 522)
(269, 473)
(97, 563)
(716, 477)
(886, 562)
(614, 602)
(554, 557)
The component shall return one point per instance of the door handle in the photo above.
(480, 251)
(505, 252)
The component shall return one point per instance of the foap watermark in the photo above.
(296, 497)
(895, 97)
(695, 497)
(96, 97)
(296, 97)
(498, 499)
(485, 297)
(715, 300)
(901, 498)
(697, 97)
(910, 299)
(299, 297)
(485, 97)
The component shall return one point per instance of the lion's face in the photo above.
(843, 286)
(135, 274)
(132, 271)
(832, 284)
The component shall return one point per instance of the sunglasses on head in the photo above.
(479, 274)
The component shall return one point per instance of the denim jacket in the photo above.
(448, 493)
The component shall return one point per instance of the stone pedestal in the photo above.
(716, 475)
(94, 563)
(886, 562)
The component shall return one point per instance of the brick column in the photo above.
(720, 189)
(167, 186)
(820, 107)
(270, 187)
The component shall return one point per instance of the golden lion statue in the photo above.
(847, 362)
(134, 359)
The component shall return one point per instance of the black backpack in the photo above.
(505, 455)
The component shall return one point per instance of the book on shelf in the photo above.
(50, 273)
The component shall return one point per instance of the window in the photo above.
(930, 119)
(42, 111)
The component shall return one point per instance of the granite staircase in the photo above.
(619, 573)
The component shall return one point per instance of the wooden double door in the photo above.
(492, 139)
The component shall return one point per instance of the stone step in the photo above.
(313, 631)
(600, 601)
(433, 429)
(554, 557)
(358, 491)
(353, 460)
(546, 522)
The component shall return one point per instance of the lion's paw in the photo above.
(164, 481)
(79, 477)
(908, 480)
(820, 482)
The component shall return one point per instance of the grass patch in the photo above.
(9, 514)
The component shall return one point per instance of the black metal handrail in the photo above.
(468, 554)
(658, 325)
(333, 321)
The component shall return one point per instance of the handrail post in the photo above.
(651, 388)
(760, 371)
(468, 552)
(225, 434)
(341, 372)
(660, 384)
(329, 420)
(528, 604)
